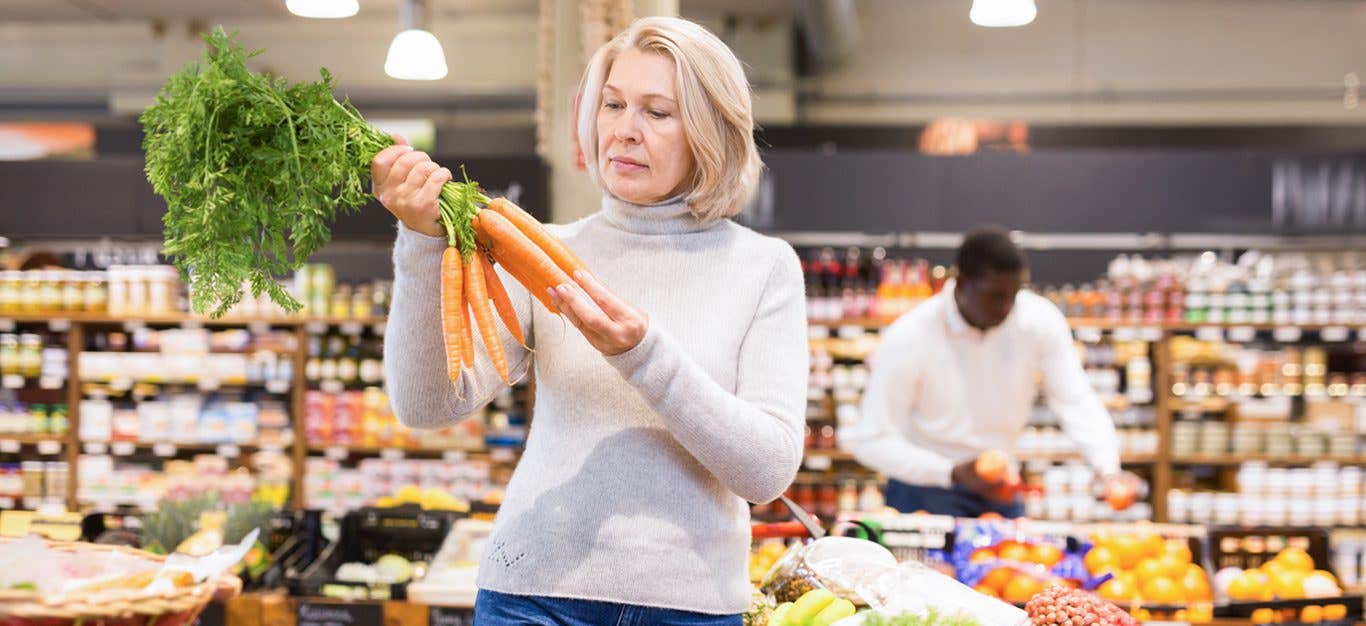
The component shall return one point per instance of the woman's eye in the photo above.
(659, 115)
(612, 105)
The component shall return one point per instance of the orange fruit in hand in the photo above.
(997, 579)
(1129, 551)
(1101, 559)
(1162, 590)
(990, 516)
(1295, 559)
(1045, 554)
(1021, 589)
(991, 466)
(1195, 585)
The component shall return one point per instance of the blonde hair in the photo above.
(714, 104)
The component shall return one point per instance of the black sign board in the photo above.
(319, 614)
(212, 615)
(446, 616)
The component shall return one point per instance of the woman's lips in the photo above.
(627, 166)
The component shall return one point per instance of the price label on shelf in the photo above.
(258, 327)
(1087, 334)
(96, 447)
(49, 447)
(454, 456)
(271, 448)
(59, 325)
(1334, 333)
(502, 455)
(391, 454)
(51, 382)
(133, 326)
(164, 449)
(1242, 334)
(352, 328)
(122, 383)
(1125, 333)
(13, 381)
(122, 448)
(1150, 333)
(1287, 334)
(209, 384)
(229, 451)
(9, 446)
(1209, 333)
(817, 463)
(192, 325)
(337, 453)
(316, 328)
(277, 386)
(332, 386)
(378, 329)
(6, 326)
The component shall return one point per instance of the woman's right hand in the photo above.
(408, 183)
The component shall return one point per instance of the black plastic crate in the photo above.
(1248, 548)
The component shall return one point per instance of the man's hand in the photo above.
(990, 476)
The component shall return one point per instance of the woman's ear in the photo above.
(579, 163)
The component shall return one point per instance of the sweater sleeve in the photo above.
(415, 357)
(1070, 395)
(751, 440)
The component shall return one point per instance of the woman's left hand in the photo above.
(606, 321)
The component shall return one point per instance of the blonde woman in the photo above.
(675, 393)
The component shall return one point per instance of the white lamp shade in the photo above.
(415, 55)
(325, 9)
(1000, 13)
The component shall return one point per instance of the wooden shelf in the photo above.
(1234, 460)
(31, 439)
(419, 453)
(181, 318)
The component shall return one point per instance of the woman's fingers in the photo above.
(614, 307)
(431, 189)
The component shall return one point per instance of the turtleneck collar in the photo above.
(669, 217)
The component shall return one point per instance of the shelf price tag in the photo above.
(277, 386)
(96, 447)
(817, 463)
(337, 453)
(122, 383)
(1242, 334)
(229, 451)
(352, 328)
(502, 455)
(454, 456)
(49, 447)
(133, 326)
(1334, 333)
(9, 446)
(1287, 334)
(164, 449)
(122, 448)
(1209, 333)
(59, 325)
(209, 384)
(316, 328)
(258, 327)
(333, 386)
(13, 381)
(391, 454)
(191, 324)
(1087, 334)
(51, 382)
(6, 326)
(1125, 333)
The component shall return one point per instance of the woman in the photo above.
(679, 393)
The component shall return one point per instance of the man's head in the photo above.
(991, 270)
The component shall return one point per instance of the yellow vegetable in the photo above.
(779, 616)
(834, 612)
(808, 606)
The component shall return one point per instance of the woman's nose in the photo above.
(627, 128)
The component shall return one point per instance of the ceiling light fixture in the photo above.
(1002, 13)
(323, 9)
(415, 53)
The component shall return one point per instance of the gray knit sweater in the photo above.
(637, 467)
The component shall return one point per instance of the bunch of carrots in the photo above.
(511, 237)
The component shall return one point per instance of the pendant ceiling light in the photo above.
(415, 54)
(1001, 13)
(324, 9)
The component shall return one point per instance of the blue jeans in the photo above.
(939, 501)
(500, 609)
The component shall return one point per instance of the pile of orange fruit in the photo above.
(1288, 576)
(1014, 584)
(1306, 615)
(1149, 570)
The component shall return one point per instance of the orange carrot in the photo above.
(520, 276)
(452, 302)
(519, 254)
(478, 297)
(534, 230)
(499, 295)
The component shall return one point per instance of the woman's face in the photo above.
(643, 153)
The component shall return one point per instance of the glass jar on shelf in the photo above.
(95, 293)
(11, 284)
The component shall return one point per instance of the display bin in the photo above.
(1247, 548)
(369, 533)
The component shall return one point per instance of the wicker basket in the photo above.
(178, 607)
